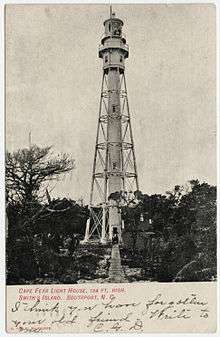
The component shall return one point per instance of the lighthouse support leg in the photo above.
(103, 234)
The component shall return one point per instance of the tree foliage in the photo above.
(29, 253)
(185, 219)
(27, 170)
(28, 173)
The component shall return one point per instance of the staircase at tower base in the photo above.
(116, 273)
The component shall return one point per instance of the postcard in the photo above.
(110, 168)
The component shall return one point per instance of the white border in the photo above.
(2, 135)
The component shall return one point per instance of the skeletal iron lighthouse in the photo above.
(114, 168)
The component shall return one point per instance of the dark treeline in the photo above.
(181, 229)
(36, 236)
(39, 228)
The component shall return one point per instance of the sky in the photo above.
(53, 84)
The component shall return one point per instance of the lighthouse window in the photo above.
(106, 59)
(121, 59)
(113, 108)
(114, 165)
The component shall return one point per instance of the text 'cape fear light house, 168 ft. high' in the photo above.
(114, 173)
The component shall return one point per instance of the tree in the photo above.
(191, 249)
(185, 219)
(28, 169)
(27, 173)
(62, 216)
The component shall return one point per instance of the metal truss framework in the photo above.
(101, 169)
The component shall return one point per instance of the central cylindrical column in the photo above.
(114, 131)
(113, 50)
(114, 149)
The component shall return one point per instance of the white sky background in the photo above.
(54, 81)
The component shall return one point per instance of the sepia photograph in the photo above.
(110, 143)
